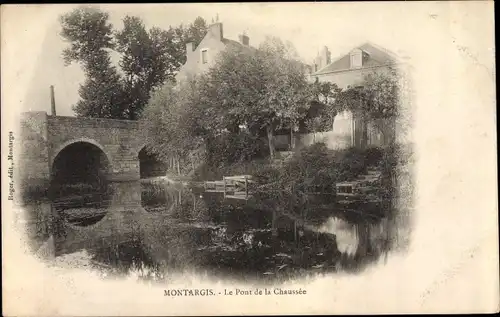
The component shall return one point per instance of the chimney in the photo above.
(244, 39)
(356, 57)
(325, 57)
(189, 48)
(216, 30)
(52, 101)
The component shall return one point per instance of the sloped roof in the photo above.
(377, 56)
(237, 44)
(234, 43)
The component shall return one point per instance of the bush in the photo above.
(374, 156)
(233, 148)
(311, 169)
(350, 163)
(316, 168)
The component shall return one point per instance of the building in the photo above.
(204, 56)
(201, 58)
(349, 70)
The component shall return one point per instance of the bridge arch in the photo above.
(150, 165)
(79, 185)
(82, 162)
(79, 140)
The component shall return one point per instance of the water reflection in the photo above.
(153, 230)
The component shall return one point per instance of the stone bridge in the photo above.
(51, 145)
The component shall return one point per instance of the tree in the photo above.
(89, 33)
(147, 59)
(376, 101)
(324, 106)
(196, 32)
(176, 126)
(382, 101)
(287, 90)
(90, 36)
(102, 94)
(266, 93)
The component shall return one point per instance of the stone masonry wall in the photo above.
(120, 140)
(32, 152)
(42, 137)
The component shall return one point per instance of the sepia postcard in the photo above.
(249, 158)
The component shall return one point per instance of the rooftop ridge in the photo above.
(365, 47)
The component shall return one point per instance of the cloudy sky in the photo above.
(412, 30)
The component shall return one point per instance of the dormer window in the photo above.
(356, 56)
(204, 56)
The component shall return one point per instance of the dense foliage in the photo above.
(226, 112)
(376, 101)
(173, 122)
(147, 58)
(324, 106)
(268, 92)
(317, 169)
(230, 148)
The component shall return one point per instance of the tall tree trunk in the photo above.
(270, 139)
(178, 166)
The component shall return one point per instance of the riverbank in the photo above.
(254, 167)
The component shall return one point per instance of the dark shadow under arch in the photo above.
(79, 186)
(150, 165)
(80, 162)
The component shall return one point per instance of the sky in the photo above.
(340, 26)
(398, 27)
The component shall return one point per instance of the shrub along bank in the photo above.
(312, 169)
(317, 169)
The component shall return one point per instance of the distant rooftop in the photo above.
(375, 56)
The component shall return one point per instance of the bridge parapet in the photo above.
(93, 122)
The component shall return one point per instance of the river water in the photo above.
(155, 230)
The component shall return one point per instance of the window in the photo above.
(204, 56)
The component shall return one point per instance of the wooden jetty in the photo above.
(236, 187)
